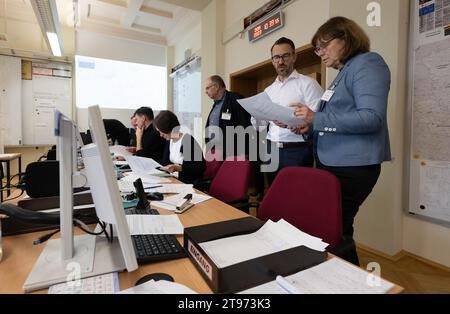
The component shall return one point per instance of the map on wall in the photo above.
(431, 127)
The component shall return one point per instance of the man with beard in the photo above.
(289, 89)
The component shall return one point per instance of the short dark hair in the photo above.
(216, 79)
(145, 111)
(356, 40)
(283, 41)
(166, 121)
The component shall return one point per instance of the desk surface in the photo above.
(19, 255)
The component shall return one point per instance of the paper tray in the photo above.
(249, 273)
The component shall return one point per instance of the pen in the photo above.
(153, 187)
(286, 285)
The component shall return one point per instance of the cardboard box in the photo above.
(250, 273)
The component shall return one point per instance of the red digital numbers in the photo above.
(257, 32)
(266, 27)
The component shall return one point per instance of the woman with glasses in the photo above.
(350, 131)
(183, 154)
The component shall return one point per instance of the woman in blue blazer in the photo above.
(350, 130)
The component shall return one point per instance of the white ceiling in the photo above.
(152, 21)
(148, 21)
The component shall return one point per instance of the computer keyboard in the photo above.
(155, 247)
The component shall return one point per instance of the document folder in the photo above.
(249, 273)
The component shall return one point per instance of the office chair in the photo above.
(307, 198)
(231, 183)
(213, 162)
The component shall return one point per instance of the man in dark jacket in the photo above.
(226, 112)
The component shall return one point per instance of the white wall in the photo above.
(302, 17)
(192, 40)
(103, 46)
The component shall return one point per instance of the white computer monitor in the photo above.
(75, 257)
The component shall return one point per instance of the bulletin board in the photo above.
(429, 159)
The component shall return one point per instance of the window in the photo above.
(119, 85)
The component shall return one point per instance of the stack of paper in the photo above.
(146, 179)
(159, 287)
(173, 189)
(271, 238)
(119, 150)
(170, 203)
(128, 186)
(334, 276)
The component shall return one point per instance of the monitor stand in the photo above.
(93, 256)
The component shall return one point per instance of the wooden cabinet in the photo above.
(255, 79)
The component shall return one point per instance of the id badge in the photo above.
(226, 116)
(328, 95)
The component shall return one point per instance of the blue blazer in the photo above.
(351, 129)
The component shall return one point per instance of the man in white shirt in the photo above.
(290, 88)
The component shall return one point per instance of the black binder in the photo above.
(249, 273)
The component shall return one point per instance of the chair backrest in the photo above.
(307, 198)
(213, 162)
(42, 179)
(232, 180)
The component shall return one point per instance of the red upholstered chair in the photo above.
(213, 162)
(307, 198)
(230, 185)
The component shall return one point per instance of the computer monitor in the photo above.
(76, 257)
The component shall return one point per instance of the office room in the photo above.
(335, 178)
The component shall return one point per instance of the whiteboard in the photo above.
(429, 158)
(41, 96)
(187, 91)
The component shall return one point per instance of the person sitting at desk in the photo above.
(148, 143)
(183, 155)
(117, 132)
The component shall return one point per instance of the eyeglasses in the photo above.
(285, 57)
(322, 46)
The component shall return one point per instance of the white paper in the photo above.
(154, 224)
(128, 186)
(170, 203)
(146, 179)
(141, 165)
(262, 108)
(270, 238)
(103, 284)
(119, 150)
(159, 287)
(334, 276)
(174, 189)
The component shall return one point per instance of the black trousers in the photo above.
(356, 185)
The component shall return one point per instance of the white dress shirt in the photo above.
(176, 157)
(297, 88)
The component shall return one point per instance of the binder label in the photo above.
(201, 261)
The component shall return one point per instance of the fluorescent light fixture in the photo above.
(54, 44)
(48, 19)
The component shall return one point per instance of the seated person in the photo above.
(183, 155)
(117, 132)
(148, 142)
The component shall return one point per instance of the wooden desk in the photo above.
(7, 158)
(19, 255)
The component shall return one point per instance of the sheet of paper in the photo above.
(146, 179)
(261, 107)
(171, 202)
(141, 165)
(120, 163)
(159, 287)
(103, 284)
(119, 150)
(128, 186)
(154, 224)
(174, 189)
(334, 276)
(271, 238)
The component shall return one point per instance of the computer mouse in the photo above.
(155, 196)
(155, 277)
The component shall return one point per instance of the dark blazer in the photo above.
(193, 161)
(239, 117)
(153, 144)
